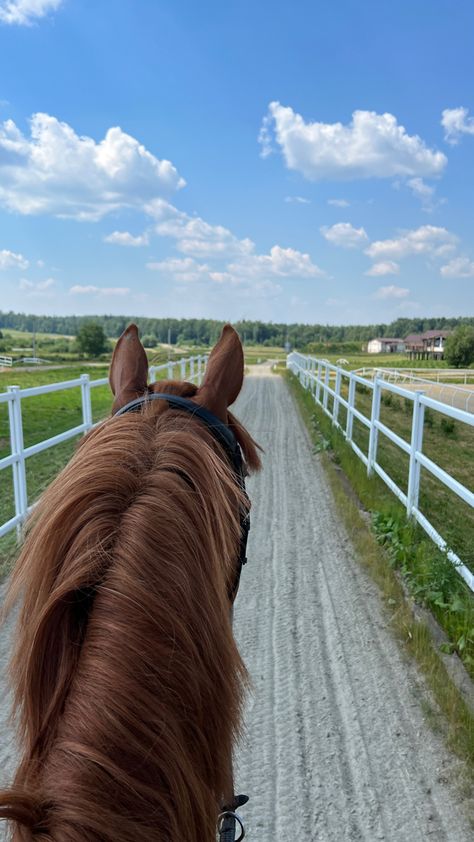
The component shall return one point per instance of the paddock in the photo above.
(336, 745)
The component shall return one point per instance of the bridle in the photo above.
(226, 438)
(229, 820)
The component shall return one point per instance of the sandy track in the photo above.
(336, 748)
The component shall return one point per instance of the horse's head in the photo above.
(220, 388)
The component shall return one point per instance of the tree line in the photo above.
(206, 331)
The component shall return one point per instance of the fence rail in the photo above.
(436, 386)
(190, 368)
(322, 378)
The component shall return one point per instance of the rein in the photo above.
(228, 820)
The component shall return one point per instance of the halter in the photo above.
(226, 438)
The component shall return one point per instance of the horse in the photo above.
(128, 684)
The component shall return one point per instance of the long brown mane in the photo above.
(128, 683)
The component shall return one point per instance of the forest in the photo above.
(206, 331)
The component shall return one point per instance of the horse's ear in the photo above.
(224, 374)
(128, 369)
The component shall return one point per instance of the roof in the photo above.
(385, 339)
(414, 339)
(432, 334)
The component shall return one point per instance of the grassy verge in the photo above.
(388, 546)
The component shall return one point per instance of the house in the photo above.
(385, 345)
(426, 346)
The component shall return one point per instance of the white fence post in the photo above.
(152, 373)
(416, 445)
(86, 401)
(199, 377)
(351, 402)
(318, 382)
(335, 407)
(373, 440)
(326, 384)
(170, 371)
(191, 369)
(17, 447)
(183, 369)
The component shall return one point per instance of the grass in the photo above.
(399, 558)
(44, 416)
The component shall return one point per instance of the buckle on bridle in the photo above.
(226, 824)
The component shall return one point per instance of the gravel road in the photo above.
(335, 748)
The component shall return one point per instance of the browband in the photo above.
(220, 430)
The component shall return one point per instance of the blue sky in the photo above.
(308, 163)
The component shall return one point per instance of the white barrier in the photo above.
(316, 375)
(6, 362)
(190, 369)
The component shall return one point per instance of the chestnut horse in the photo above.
(128, 683)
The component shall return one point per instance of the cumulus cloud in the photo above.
(282, 262)
(371, 145)
(93, 290)
(181, 269)
(384, 293)
(26, 12)
(124, 238)
(456, 123)
(339, 203)
(37, 287)
(11, 260)
(345, 235)
(428, 239)
(196, 237)
(58, 172)
(425, 193)
(458, 267)
(387, 267)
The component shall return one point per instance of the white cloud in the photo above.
(124, 238)
(25, 12)
(456, 123)
(93, 290)
(428, 239)
(281, 262)
(339, 203)
(425, 193)
(458, 267)
(345, 235)
(44, 288)
(58, 172)
(11, 260)
(196, 237)
(181, 269)
(388, 267)
(391, 292)
(299, 200)
(371, 145)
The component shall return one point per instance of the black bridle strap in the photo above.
(219, 430)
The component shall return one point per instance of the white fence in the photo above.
(324, 380)
(6, 362)
(190, 369)
(435, 387)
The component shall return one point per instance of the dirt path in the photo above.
(336, 747)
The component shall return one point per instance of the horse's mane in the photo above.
(128, 683)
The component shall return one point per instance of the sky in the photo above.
(311, 162)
